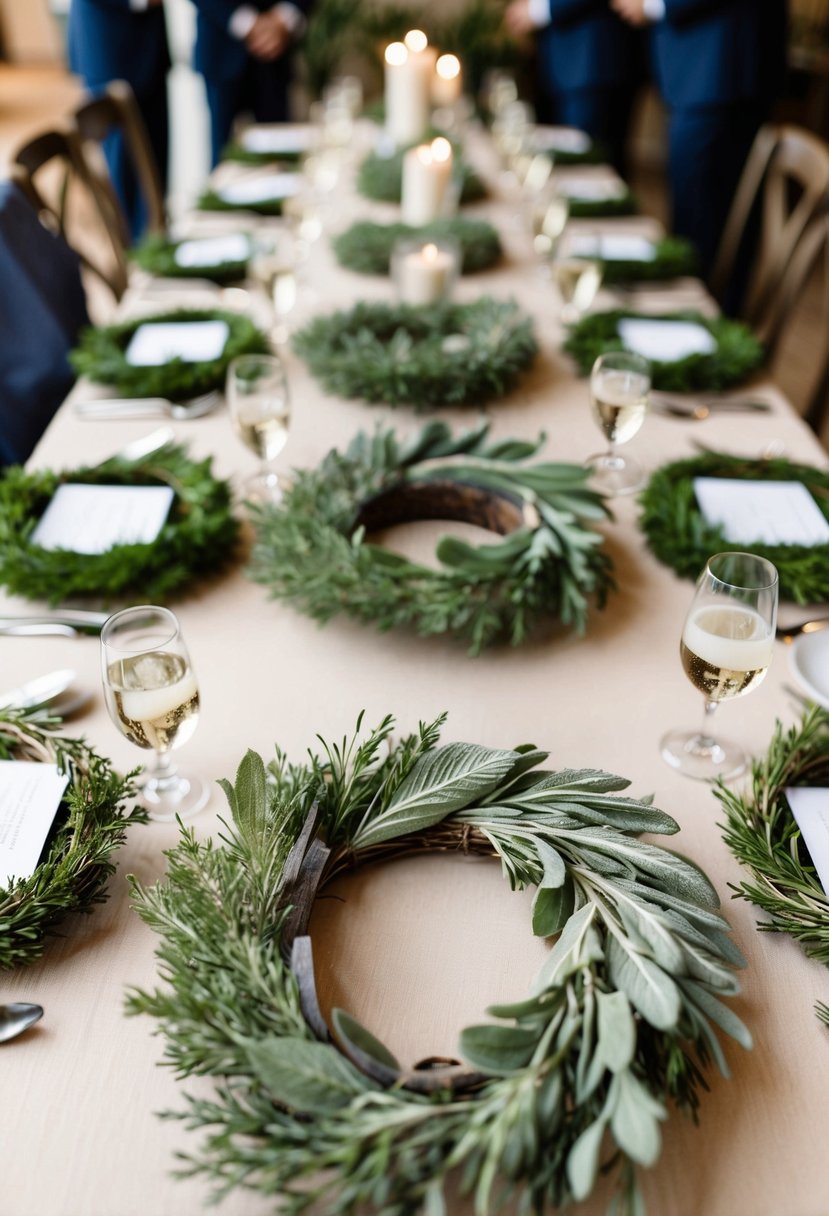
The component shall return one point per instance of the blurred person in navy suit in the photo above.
(244, 52)
(718, 66)
(591, 65)
(125, 40)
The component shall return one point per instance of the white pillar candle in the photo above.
(447, 82)
(425, 275)
(427, 171)
(407, 95)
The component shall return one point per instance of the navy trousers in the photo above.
(604, 113)
(122, 171)
(261, 91)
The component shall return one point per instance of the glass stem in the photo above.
(707, 742)
(614, 460)
(163, 772)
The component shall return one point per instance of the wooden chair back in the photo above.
(787, 176)
(117, 109)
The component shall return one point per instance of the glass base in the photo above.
(176, 796)
(701, 757)
(613, 475)
(263, 488)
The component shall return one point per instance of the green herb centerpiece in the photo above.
(421, 355)
(573, 1079)
(76, 863)
(312, 550)
(198, 539)
(157, 255)
(237, 152)
(673, 258)
(367, 247)
(737, 353)
(681, 538)
(381, 178)
(584, 208)
(101, 354)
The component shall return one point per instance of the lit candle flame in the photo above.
(416, 41)
(448, 67)
(441, 149)
(396, 54)
(430, 253)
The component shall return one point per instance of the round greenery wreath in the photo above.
(101, 355)
(75, 865)
(673, 258)
(763, 835)
(157, 255)
(598, 208)
(210, 200)
(738, 352)
(425, 356)
(381, 178)
(573, 1079)
(312, 550)
(367, 247)
(595, 154)
(239, 154)
(198, 538)
(681, 538)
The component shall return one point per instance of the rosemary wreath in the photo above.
(673, 257)
(763, 835)
(679, 535)
(737, 354)
(101, 355)
(237, 152)
(598, 208)
(76, 862)
(381, 178)
(367, 247)
(312, 550)
(421, 355)
(198, 538)
(211, 200)
(157, 255)
(573, 1079)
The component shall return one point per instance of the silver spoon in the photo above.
(787, 633)
(149, 407)
(699, 411)
(16, 1018)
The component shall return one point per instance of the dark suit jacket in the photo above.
(109, 41)
(714, 52)
(218, 55)
(586, 46)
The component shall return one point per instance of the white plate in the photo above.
(809, 663)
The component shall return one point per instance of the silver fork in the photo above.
(149, 407)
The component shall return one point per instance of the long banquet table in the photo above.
(419, 948)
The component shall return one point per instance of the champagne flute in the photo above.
(549, 214)
(152, 697)
(578, 276)
(257, 397)
(726, 648)
(619, 386)
(273, 267)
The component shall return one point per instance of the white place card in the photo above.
(773, 512)
(30, 795)
(293, 140)
(591, 189)
(810, 807)
(665, 341)
(615, 247)
(269, 187)
(561, 139)
(213, 250)
(92, 519)
(158, 342)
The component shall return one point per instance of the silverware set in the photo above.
(692, 409)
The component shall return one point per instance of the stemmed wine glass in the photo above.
(577, 273)
(152, 697)
(257, 397)
(726, 648)
(619, 386)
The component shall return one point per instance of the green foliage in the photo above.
(101, 355)
(674, 257)
(237, 152)
(598, 208)
(425, 356)
(77, 862)
(367, 247)
(577, 1077)
(198, 538)
(381, 177)
(310, 552)
(738, 353)
(157, 255)
(210, 200)
(679, 535)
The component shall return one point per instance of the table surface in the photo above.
(80, 1133)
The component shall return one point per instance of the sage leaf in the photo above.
(250, 797)
(578, 946)
(635, 1120)
(305, 1076)
(552, 863)
(583, 1160)
(724, 1017)
(553, 908)
(499, 1049)
(646, 985)
(356, 1036)
(617, 1030)
(438, 783)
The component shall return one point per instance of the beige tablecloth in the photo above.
(418, 949)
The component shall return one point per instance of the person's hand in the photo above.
(269, 36)
(517, 18)
(632, 11)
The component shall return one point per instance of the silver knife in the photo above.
(69, 622)
(38, 691)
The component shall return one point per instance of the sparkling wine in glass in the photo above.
(273, 267)
(619, 387)
(152, 697)
(549, 214)
(257, 397)
(726, 649)
(578, 278)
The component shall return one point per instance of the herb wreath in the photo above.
(157, 255)
(597, 208)
(101, 355)
(593, 154)
(237, 152)
(312, 550)
(75, 865)
(573, 1079)
(211, 200)
(381, 178)
(367, 247)
(198, 538)
(678, 534)
(738, 352)
(673, 257)
(425, 356)
(762, 834)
